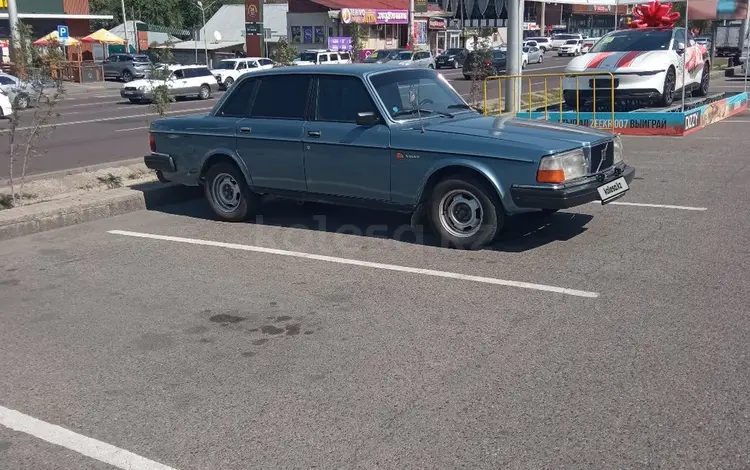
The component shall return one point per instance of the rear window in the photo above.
(565, 36)
(141, 58)
(196, 72)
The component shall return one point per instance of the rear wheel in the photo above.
(22, 102)
(228, 193)
(705, 80)
(127, 76)
(134, 100)
(667, 96)
(541, 58)
(465, 213)
(455, 64)
(205, 92)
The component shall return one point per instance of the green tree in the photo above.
(358, 34)
(284, 54)
(481, 66)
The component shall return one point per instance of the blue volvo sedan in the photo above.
(378, 136)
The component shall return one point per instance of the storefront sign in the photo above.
(530, 27)
(253, 29)
(369, 16)
(340, 43)
(420, 6)
(252, 11)
(599, 8)
(437, 23)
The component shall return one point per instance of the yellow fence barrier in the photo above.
(557, 95)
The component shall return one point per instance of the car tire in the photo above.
(541, 58)
(702, 89)
(455, 64)
(228, 82)
(523, 64)
(228, 194)
(667, 96)
(127, 76)
(431, 66)
(467, 77)
(22, 102)
(135, 100)
(469, 200)
(205, 92)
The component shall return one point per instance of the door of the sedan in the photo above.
(269, 139)
(343, 158)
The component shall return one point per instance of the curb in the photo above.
(44, 216)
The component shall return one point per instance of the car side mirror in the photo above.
(680, 47)
(368, 118)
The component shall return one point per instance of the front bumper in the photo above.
(566, 196)
(136, 94)
(160, 162)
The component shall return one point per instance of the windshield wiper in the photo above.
(460, 106)
(408, 112)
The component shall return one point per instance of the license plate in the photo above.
(612, 190)
(128, 93)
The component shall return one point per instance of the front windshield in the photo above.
(526, 49)
(405, 91)
(376, 55)
(404, 55)
(453, 51)
(498, 55)
(572, 41)
(308, 57)
(561, 37)
(621, 41)
(226, 65)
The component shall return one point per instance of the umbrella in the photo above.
(52, 38)
(103, 36)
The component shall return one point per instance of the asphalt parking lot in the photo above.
(600, 337)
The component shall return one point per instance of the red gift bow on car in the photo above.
(654, 15)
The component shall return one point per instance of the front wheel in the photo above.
(541, 59)
(134, 100)
(127, 76)
(228, 82)
(523, 64)
(465, 213)
(205, 92)
(22, 102)
(667, 96)
(228, 194)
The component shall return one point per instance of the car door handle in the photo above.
(313, 133)
(246, 129)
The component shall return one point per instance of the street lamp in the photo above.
(199, 3)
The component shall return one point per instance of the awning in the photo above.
(103, 36)
(53, 38)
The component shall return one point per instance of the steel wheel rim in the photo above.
(225, 191)
(669, 88)
(22, 102)
(461, 213)
(126, 76)
(204, 92)
(705, 79)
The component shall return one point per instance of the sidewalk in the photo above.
(96, 86)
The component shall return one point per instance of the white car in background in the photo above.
(5, 108)
(229, 70)
(571, 47)
(647, 66)
(542, 42)
(587, 44)
(560, 39)
(181, 81)
(322, 56)
(408, 58)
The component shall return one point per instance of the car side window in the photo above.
(679, 37)
(241, 65)
(189, 73)
(323, 58)
(293, 89)
(238, 102)
(265, 62)
(340, 98)
(344, 55)
(6, 81)
(178, 74)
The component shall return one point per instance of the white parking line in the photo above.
(658, 206)
(131, 129)
(366, 264)
(734, 121)
(101, 451)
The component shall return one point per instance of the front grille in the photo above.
(605, 83)
(602, 157)
(130, 88)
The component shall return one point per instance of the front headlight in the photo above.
(562, 167)
(142, 88)
(617, 150)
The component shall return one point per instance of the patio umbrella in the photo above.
(103, 36)
(52, 38)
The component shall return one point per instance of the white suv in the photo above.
(322, 56)
(229, 70)
(542, 42)
(181, 81)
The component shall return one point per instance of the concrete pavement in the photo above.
(198, 350)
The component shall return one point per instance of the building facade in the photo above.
(45, 15)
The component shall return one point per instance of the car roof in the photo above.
(239, 59)
(360, 69)
(182, 67)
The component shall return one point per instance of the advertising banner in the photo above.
(371, 16)
(340, 43)
(717, 9)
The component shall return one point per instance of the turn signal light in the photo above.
(152, 142)
(550, 176)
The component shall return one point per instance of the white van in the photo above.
(322, 56)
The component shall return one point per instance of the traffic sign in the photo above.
(62, 32)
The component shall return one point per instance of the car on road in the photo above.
(322, 56)
(560, 39)
(20, 92)
(229, 70)
(571, 47)
(647, 65)
(451, 58)
(382, 56)
(388, 137)
(587, 44)
(180, 81)
(127, 67)
(533, 55)
(544, 43)
(423, 59)
(488, 68)
(6, 109)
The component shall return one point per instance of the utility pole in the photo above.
(125, 26)
(410, 39)
(542, 25)
(205, 37)
(14, 36)
(513, 64)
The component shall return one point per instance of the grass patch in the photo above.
(137, 174)
(7, 201)
(110, 181)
